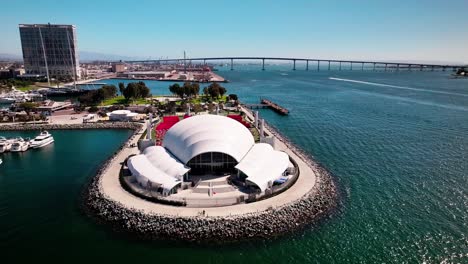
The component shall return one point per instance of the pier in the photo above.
(279, 109)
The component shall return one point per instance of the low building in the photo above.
(52, 106)
(144, 75)
(11, 73)
(118, 67)
(123, 115)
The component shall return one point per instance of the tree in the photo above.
(93, 109)
(28, 106)
(187, 88)
(213, 90)
(121, 87)
(233, 97)
(94, 97)
(195, 89)
(177, 90)
(109, 91)
(197, 108)
(222, 91)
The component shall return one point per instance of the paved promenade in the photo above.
(110, 186)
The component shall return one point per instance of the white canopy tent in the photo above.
(160, 158)
(145, 173)
(263, 164)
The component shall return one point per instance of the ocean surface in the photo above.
(395, 142)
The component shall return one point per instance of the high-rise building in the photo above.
(50, 50)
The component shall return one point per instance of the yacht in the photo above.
(42, 140)
(7, 100)
(5, 144)
(19, 145)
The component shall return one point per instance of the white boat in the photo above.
(7, 100)
(1, 161)
(19, 145)
(42, 140)
(5, 144)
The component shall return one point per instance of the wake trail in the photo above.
(398, 87)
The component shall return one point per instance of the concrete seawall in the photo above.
(108, 125)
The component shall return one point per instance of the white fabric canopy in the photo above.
(263, 164)
(163, 160)
(208, 133)
(144, 171)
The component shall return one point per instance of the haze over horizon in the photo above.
(360, 30)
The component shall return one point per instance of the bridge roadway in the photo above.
(384, 64)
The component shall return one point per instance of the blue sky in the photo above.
(391, 30)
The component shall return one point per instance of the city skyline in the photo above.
(417, 31)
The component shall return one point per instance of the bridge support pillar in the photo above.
(232, 64)
(351, 66)
(409, 67)
(374, 67)
(294, 65)
(307, 65)
(340, 65)
(386, 66)
(328, 65)
(362, 66)
(263, 64)
(432, 68)
(443, 68)
(318, 65)
(398, 67)
(204, 62)
(420, 67)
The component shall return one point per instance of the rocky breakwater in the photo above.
(107, 125)
(276, 221)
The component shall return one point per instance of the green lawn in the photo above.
(121, 100)
(204, 99)
(255, 134)
(27, 88)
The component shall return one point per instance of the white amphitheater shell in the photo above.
(166, 166)
(208, 133)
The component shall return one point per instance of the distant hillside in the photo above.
(85, 56)
(12, 57)
(92, 56)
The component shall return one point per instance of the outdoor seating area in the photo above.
(240, 120)
(161, 128)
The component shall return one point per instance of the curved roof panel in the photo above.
(263, 164)
(144, 171)
(208, 133)
(165, 161)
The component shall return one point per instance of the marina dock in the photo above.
(279, 109)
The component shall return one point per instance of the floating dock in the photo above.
(279, 109)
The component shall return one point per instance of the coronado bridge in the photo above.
(314, 64)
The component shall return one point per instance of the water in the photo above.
(396, 143)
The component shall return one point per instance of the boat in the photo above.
(19, 145)
(44, 139)
(1, 161)
(7, 100)
(5, 144)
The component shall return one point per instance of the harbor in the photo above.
(18, 144)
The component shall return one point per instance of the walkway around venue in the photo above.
(112, 189)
